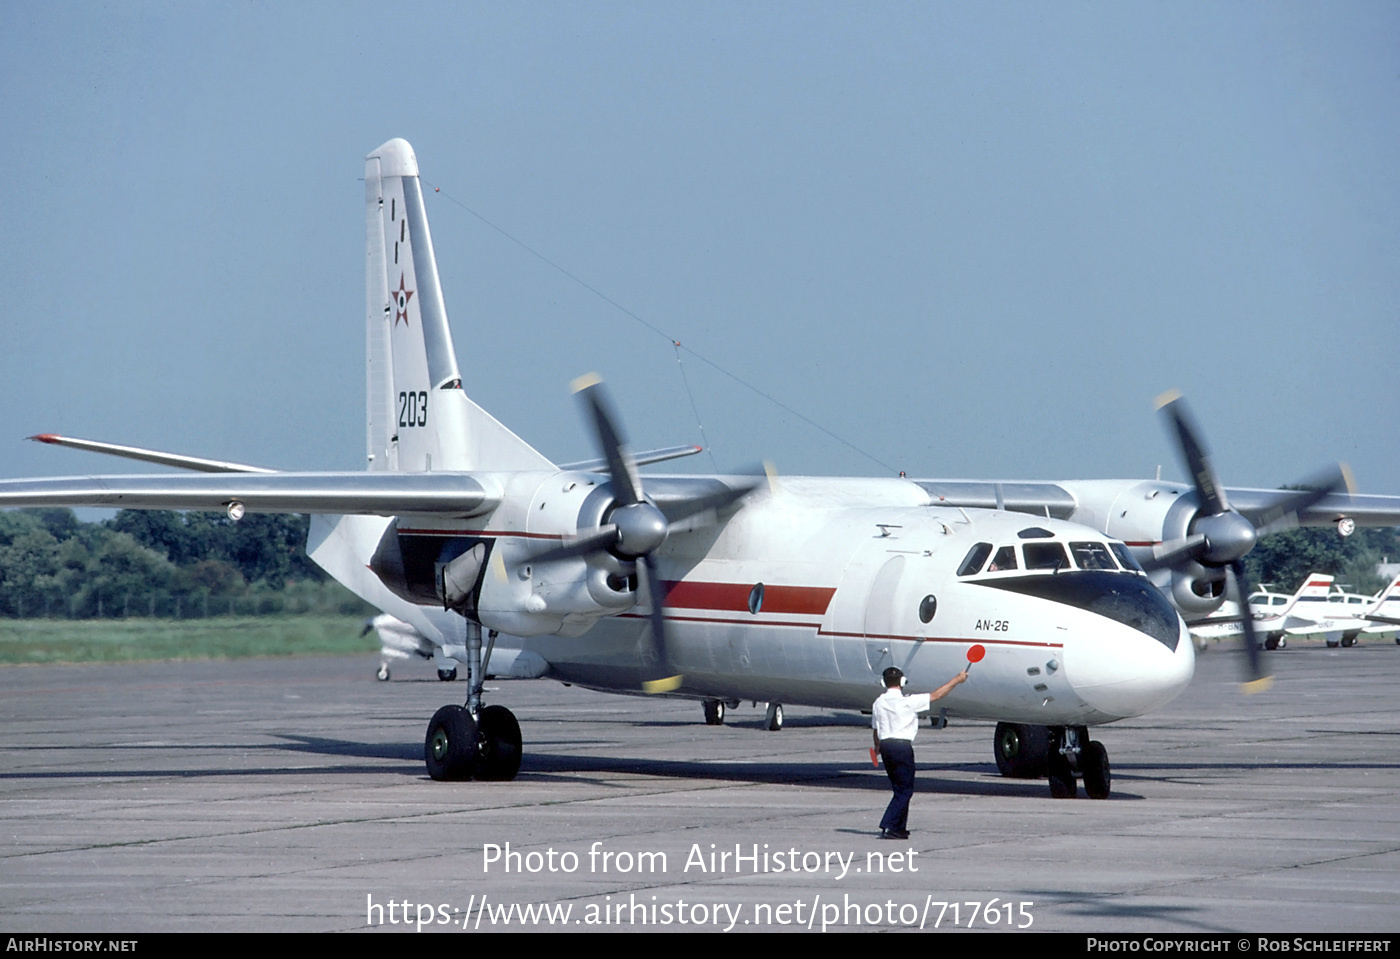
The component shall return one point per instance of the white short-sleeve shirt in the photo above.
(896, 716)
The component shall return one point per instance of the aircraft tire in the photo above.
(773, 719)
(1332, 644)
(450, 748)
(1271, 642)
(1098, 775)
(1283, 642)
(1020, 750)
(714, 712)
(383, 674)
(499, 746)
(1348, 642)
(448, 675)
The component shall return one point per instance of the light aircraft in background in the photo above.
(727, 588)
(1275, 616)
(1320, 609)
(1381, 611)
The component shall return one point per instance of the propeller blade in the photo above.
(1257, 679)
(1169, 554)
(1283, 512)
(621, 467)
(1209, 492)
(667, 679)
(710, 502)
(601, 538)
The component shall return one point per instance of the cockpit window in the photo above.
(1045, 556)
(1035, 532)
(1091, 555)
(1125, 556)
(1004, 559)
(974, 559)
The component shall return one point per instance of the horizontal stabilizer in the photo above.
(148, 456)
(641, 459)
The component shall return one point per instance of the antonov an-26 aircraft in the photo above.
(727, 588)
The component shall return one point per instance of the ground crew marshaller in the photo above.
(895, 718)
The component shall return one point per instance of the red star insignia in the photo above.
(401, 298)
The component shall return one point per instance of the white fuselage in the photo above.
(812, 588)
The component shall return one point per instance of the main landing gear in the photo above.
(472, 741)
(1057, 753)
(715, 709)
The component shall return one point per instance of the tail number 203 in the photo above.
(413, 409)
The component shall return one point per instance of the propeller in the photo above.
(1220, 537)
(635, 527)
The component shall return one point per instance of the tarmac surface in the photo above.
(290, 795)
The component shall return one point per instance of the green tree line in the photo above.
(149, 563)
(1286, 558)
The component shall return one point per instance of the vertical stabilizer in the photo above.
(1314, 590)
(1391, 595)
(418, 416)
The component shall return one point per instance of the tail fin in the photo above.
(1390, 594)
(419, 418)
(1315, 588)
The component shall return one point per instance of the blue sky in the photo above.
(971, 240)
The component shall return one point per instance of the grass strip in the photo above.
(221, 637)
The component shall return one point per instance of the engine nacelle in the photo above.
(1155, 512)
(494, 578)
(1197, 589)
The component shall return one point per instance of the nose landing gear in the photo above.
(1060, 754)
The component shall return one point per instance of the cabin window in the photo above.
(927, 608)
(974, 559)
(756, 598)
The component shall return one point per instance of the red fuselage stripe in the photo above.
(734, 597)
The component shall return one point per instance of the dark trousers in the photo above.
(898, 755)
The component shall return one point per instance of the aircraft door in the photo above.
(879, 615)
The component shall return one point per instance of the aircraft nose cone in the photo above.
(1123, 672)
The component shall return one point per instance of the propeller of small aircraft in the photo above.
(634, 528)
(1220, 537)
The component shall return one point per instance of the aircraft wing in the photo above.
(457, 495)
(1038, 499)
(1053, 499)
(1366, 510)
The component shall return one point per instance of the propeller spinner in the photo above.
(636, 528)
